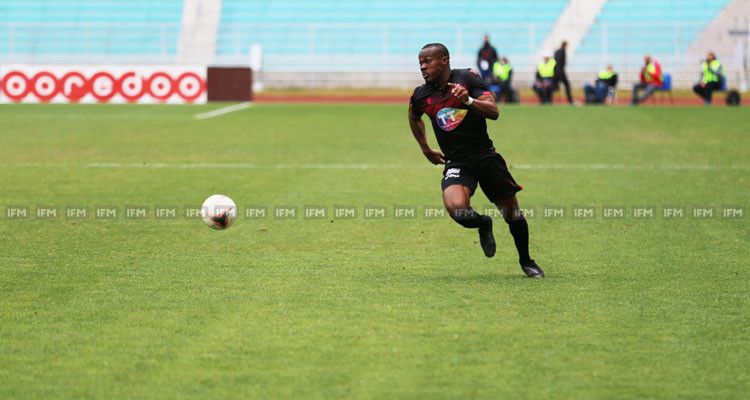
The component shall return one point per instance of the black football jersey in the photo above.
(461, 132)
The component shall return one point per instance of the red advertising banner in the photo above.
(102, 84)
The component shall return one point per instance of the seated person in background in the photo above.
(712, 78)
(545, 80)
(651, 80)
(503, 74)
(597, 93)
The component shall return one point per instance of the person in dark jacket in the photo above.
(486, 59)
(560, 75)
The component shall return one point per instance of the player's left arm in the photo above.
(483, 105)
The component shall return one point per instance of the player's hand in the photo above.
(434, 156)
(459, 92)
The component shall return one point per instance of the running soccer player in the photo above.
(458, 103)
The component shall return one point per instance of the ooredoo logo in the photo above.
(103, 86)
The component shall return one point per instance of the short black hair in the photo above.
(442, 50)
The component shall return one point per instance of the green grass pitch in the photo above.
(370, 308)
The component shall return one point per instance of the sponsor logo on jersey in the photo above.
(450, 118)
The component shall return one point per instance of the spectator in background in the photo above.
(503, 72)
(712, 78)
(597, 93)
(651, 80)
(545, 80)
(486, 59)
(560, 75)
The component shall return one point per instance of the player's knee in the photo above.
(456, 207)
(466, 217)
(511, 214)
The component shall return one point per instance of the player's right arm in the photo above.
(417, 129)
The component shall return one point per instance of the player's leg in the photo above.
(518, 226)
(456, 198)
(500, 188)
(519, 229)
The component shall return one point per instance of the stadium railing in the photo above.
(344, 54)
(89, 42)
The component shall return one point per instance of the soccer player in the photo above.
(458, 104)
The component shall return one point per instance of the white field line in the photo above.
(249, 166)
(698, 167)
(616, 167)
(222, 111)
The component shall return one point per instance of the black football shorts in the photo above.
(491, 172)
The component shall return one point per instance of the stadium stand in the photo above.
(336, 40)
(385, 27)
(102, 28)
(671, 26)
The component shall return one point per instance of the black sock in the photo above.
(468, 218)
(520, 231)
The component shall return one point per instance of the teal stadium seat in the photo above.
(343, 28)
(389, 27)
(660, 27)
(89, 27)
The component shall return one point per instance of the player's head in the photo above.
(564, 44)
(647, 59)
(504, 60)
(434, 62)
(711, 56)
(486, 38)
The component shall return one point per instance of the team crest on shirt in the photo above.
(450, 118)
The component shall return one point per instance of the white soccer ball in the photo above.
(218, 211)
